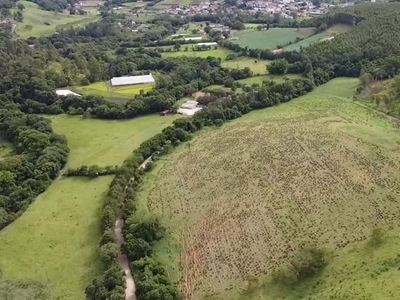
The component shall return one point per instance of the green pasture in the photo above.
(115, 94)
(35, 18)
(331, 31)
(260, 79)
(269, 39)
(220, 52)
(258, 67)
(55, 242)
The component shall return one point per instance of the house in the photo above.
(189, 108)
(207, 44)
(66, 93)
(196, 38)
(131, 80)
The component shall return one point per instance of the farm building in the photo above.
(207, 44)
(131, 80)
(189, 108)
(196, 38)
(66, 93)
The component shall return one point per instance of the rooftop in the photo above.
(128, 80)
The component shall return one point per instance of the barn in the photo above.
(66, 93)
(132, 80)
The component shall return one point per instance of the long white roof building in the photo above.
(130, 80)
(66, 93)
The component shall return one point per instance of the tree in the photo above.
(278, 66)
(20, 6)
(108, 253)
(177, 47)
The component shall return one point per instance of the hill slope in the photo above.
(241, 200)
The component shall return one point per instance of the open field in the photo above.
(358, 271)
(260, 79)
(116, 94)
(335, 29)
(269, 39)
(320, 170)
(35, 18)
(56, 240)
(220, 52)
(168, 3)
(258, 67)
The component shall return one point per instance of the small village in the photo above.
(286, 8)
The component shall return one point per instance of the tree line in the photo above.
(39, 155)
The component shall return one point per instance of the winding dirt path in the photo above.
(123, 260)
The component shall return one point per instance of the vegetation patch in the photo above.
(258, 67)
(20, 290)
(269, 39)
(38, 22)
(56, 239)
(117, 94)
(220, 53)
(243, 199)
(260, 79)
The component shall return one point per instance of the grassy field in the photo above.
(260, 79)
(56, 240)
(269, 39)
(116, 94)
(258, 68)
(220, 52)
(320, 170)
(168, 3)
(335, 29)
(35, 18)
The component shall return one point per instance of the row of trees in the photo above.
(91, 171)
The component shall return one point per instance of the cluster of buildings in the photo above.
(286, 8)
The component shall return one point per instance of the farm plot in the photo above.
(219, 52)
(258, 67)
(269, 39)
(260, 79)
(242, 199)
(116, 94)
(329, 33)
(55, 242)
(35, 20)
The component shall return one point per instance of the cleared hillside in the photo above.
(241, 200)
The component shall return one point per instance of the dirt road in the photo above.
(123, 260)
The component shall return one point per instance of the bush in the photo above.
(377, 236)
(109, 253)
(309, 262)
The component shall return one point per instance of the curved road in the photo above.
(123, 260)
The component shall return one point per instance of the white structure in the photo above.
(195, 38)
(189, 108)
(179, 34)
(207, 44)
(131, 80)
(66, 93)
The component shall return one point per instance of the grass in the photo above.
(220, 52)
(269, 39)
(35, 18)
(260, 79)
(116, 94)
(55, 242)
(242, 199)
(258, 68)
(335, 29)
